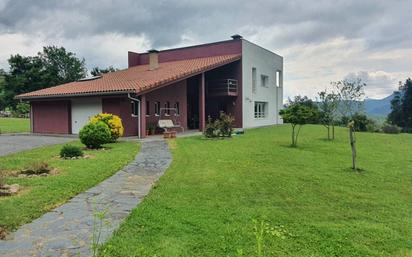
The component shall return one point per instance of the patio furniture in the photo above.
(166, 123)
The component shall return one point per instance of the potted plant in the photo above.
(152, 128)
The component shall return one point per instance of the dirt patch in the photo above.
(51, 172)
(9, 190)
(85, 156)
(3, 233)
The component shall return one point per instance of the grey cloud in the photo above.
(165, 21)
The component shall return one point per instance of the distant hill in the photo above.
(378, 107)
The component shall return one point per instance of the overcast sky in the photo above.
(321, 41)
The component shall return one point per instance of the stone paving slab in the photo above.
(67, 230)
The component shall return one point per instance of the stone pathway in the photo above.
(67, 230)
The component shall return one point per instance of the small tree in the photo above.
(328, 105)
(297, 114)
(351, 94)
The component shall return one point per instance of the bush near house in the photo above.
(222, 127)
(113, 122)
(94, 134)
(70, 151)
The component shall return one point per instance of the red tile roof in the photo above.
(135, 79)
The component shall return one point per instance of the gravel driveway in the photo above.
(16, 143)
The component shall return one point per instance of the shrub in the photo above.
(363, 123)
(21, 110)
(37, 168)
(70, 151)
(95, 134)
(391, 129)
(225, 124)
(113, 122)
(211, 128)
(222, 127)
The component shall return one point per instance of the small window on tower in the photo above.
(264, 80)
(278, 78)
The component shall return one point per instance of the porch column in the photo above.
(142, 116)
(202, 118)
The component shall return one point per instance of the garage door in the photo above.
(82, 110)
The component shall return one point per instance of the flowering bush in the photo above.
(112, 121)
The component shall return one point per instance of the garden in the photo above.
(36, 181)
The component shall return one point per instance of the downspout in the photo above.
(140, 115)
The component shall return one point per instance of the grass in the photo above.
(205, 203)
(14, 125)
(42, 194)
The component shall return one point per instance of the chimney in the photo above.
(236, 37)
(153, 59)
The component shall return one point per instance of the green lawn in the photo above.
(42, 194)
(14, 125)
(205, 203)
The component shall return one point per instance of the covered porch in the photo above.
(188, 102)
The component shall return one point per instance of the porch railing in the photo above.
(222, 87)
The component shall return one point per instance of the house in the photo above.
(185, 84)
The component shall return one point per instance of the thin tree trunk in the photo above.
(328, 127)
(333, 132)
(293, 135)
(353, 146)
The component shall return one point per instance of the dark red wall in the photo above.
(233, 104)
(51, 116)
(122, 107)
(173, 93)
(213, 49)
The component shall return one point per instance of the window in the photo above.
(167, 108)
(135, 108)
(253, 80)
(260, 109)
(278, 78)
(157, 108)
(264, 80)
(177, 108)
(147, 108)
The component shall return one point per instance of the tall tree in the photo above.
(52, 66)
(96, 71)
(61, 66)
(2, 104)
(328, 106)
(351, 95)
(401, 105)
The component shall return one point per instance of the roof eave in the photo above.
(167, 83)
(75, 95)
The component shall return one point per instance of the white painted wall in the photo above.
(82, 110)
(266, 63)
